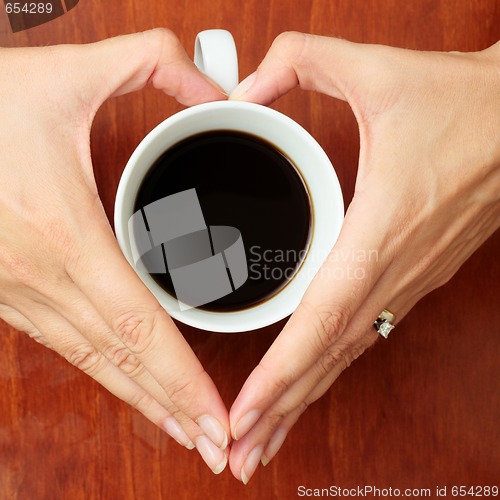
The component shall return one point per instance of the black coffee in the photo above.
(244, 182)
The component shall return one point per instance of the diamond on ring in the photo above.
(383, 324)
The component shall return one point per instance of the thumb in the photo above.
(127, 63)
(319, 63)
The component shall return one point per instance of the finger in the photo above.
(279, 433)
(121, 373)
(14, 318)
(318, 63)
(69, 343)
(78, 311)
(270, 430)
(136, 318)
(127, 63)
(74, 306)
(269, 433)
(331, 301)
(267, 440)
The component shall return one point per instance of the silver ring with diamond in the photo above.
(383, 324)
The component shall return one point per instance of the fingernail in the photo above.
(214, 430)
(245, 423)
(243, 87)
(175, 431)
(275, 443)
(251, 463)
(213, 456)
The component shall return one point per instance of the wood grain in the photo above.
(419, 411)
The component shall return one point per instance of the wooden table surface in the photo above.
(421, 410)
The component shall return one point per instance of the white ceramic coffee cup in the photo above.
(215, 55)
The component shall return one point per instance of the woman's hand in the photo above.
(427, 196)
(63, 278)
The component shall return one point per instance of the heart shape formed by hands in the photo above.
(429, 150)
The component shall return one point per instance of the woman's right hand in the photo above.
(63, 278)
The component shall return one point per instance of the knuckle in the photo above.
(421, 267)
(331, 324)
(342, 354)
(136, 329)
(165, 34)
(327, 322)
(275, 417)
(141, 401)
(84, 357)
(290, 42)
(280, 384)
(302, 407)
(160, 38)
(177, 413)
(354, 352)
(21, 269)
(34, 334)
(123, 359)
(181, 391)
(291, 48)
(333, 356)
(436, 278)
(37, 269)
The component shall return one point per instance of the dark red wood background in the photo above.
(418, 411)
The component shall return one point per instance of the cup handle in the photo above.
(215, 56)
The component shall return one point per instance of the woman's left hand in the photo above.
(427, 196)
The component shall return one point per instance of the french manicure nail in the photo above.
(245, 423)
(275, 443)
(243, 87)
(175, 431)
(214, 430)
(213, 456)
(251, 463)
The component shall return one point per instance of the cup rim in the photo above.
(270, 310)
